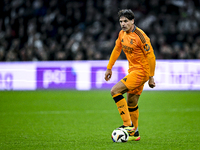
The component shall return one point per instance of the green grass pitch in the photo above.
(84, 120)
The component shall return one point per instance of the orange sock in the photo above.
(123, 109)
(134, 113)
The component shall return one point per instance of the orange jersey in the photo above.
(138, 50)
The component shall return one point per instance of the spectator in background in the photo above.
(37, 30)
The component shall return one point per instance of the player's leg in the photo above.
(134, 113)
(130, 82)
(133, 108)
(117, 92)
(135, 82)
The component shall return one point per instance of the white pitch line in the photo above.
(94, 112)
(57, 112)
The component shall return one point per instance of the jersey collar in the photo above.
(134, 28)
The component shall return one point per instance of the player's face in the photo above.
(126, 24)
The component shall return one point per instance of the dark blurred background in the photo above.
(40, 30)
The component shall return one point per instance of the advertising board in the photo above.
(89, 75)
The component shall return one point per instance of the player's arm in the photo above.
(114, 56)
(149, 52)
(152, 64)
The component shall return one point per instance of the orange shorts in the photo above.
(135, 80)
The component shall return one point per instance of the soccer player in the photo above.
(140, 55)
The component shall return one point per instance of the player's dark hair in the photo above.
(126, 13)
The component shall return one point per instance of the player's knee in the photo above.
(113, 92)
(133, 100)
(132, 103)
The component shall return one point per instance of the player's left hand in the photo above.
(151, 82)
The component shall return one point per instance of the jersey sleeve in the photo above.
(115, 53)
(149, 52)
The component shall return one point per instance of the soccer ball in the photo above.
(120, 135)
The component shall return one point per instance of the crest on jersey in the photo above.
(146, 47)
(131, 41)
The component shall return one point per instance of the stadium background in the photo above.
(58, 37)
(32, 30)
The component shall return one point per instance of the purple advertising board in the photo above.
(88, 75)
(55, 78)
(97, 77)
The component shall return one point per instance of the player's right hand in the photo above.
(108, 74)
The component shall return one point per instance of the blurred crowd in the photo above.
(40, 30)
